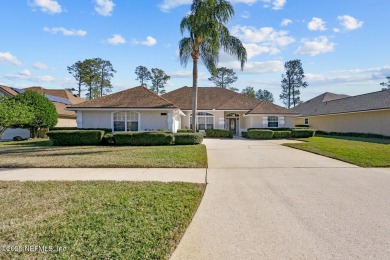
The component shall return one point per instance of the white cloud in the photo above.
(256, 67)
(40, 66)
(286, 22)
(336, 30)
(64, 31)
(262, 35)
(253, 50)
(349, 23)
(25, 73)
(116, 39)
(48, 6)
(315, 46)
(316, 24)
(150, 41)
(104, 7)
(167, 5)
(245, 15)
(7, 57)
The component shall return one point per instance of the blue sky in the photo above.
(343, 44)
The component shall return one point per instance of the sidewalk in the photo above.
(112, 174)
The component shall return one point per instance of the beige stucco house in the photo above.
(368, 113)
(139, 109)
(61, 99)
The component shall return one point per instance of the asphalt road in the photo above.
(266, 201)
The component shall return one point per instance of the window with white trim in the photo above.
(204, 121)
(125, 121)
(306, 121)
(273, 121)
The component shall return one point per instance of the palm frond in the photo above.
(185, 49)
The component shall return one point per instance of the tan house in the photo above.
(61, 99)
(139, 109)
(368, 113)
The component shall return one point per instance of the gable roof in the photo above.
(8, 91)
(61, 93)
(210, 98)
(329, 103)
(138, 97)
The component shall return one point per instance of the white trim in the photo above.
(197, 117)
(126, 129)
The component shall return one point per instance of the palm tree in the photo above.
(208, 34)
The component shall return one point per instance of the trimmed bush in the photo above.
(244, 134)
(106, 130)
(273, 129)
(301, 126)
(282, 134)
(108, 139)
(260, 134)
(219, 133)
(188, 138)
(76, 137)
(302, 133)
(143, 138)
(184, 131)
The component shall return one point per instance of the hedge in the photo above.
(260, 134)
(188, 138)
(76, 137)
(282, 134)
(302, 133)
(301, 126)
(184, 131)
(244, 134)
(353, 134)
(219, 133)
(273, 129)
(143, 138)
(106, 130)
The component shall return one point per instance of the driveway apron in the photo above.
(267, 201)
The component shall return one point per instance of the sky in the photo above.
(343, 44)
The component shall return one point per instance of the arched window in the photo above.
(125, 121)
(204, 121)
(273, 121)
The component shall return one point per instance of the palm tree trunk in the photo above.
(194, 93)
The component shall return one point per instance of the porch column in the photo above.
(79, 120)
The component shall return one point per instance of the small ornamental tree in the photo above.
(13, 113)
(43, 110)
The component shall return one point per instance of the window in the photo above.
(306, 121)
(273, 121)
(125, 121)
(204, 121)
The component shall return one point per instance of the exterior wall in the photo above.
(11, 133)
(95, 119)
(66, 122)
(153, 120)
(376, 122)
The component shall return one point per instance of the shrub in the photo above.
(219, 133)
(301, 126)
(106, 130)
(76, 137)
(282, 134)
(273, 129)
(143, 138)
(244, 134)
(184, 131)
(260, 134)
(188, 138)
(302, 133)
(108, 139)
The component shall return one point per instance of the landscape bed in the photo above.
(41, 154)
(95, 220)
(364, 152)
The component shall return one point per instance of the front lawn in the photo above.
(41, 154)
(94, 220)
(364, 152)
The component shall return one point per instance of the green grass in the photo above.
(364, 152)
(41, 154)
(96, 220)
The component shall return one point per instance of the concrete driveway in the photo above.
(267, 201)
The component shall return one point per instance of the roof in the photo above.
(138, 97)
(61, 93)
(210, 98)
(330, 103)
(8, 91)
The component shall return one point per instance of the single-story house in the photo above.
(61, 99)
(367, 113)
(139, 109)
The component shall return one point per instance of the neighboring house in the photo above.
(139, 109)
(60, 98)
(367, 113)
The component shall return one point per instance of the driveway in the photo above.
(267, 201)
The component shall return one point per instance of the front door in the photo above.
(233, 125)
